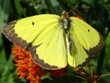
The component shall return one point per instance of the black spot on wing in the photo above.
(32, 23)
(88, 30)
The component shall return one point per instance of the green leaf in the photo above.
(5, 6)
(105, 77)
(7, 70)
(107, 55)
(53, 6)
(46, 77)
(88, 1)
(19, 8)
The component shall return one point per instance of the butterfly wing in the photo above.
(43, 36)
(86, 42)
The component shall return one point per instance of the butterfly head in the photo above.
(65, 15)
(65, 21)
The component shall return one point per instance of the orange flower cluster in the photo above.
(28, 69)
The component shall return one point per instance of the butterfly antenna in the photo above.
(73, 9)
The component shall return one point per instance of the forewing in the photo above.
(42, 35)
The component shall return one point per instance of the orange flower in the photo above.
(58, 73)
(77, 16)
(95, 78)
(27, 68)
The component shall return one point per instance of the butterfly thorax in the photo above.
(65, 21)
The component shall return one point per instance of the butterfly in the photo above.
(55, 41)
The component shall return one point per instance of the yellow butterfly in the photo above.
(54, 41)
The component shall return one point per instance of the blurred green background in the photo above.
(94, 12)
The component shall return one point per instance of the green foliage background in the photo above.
(94, 12)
